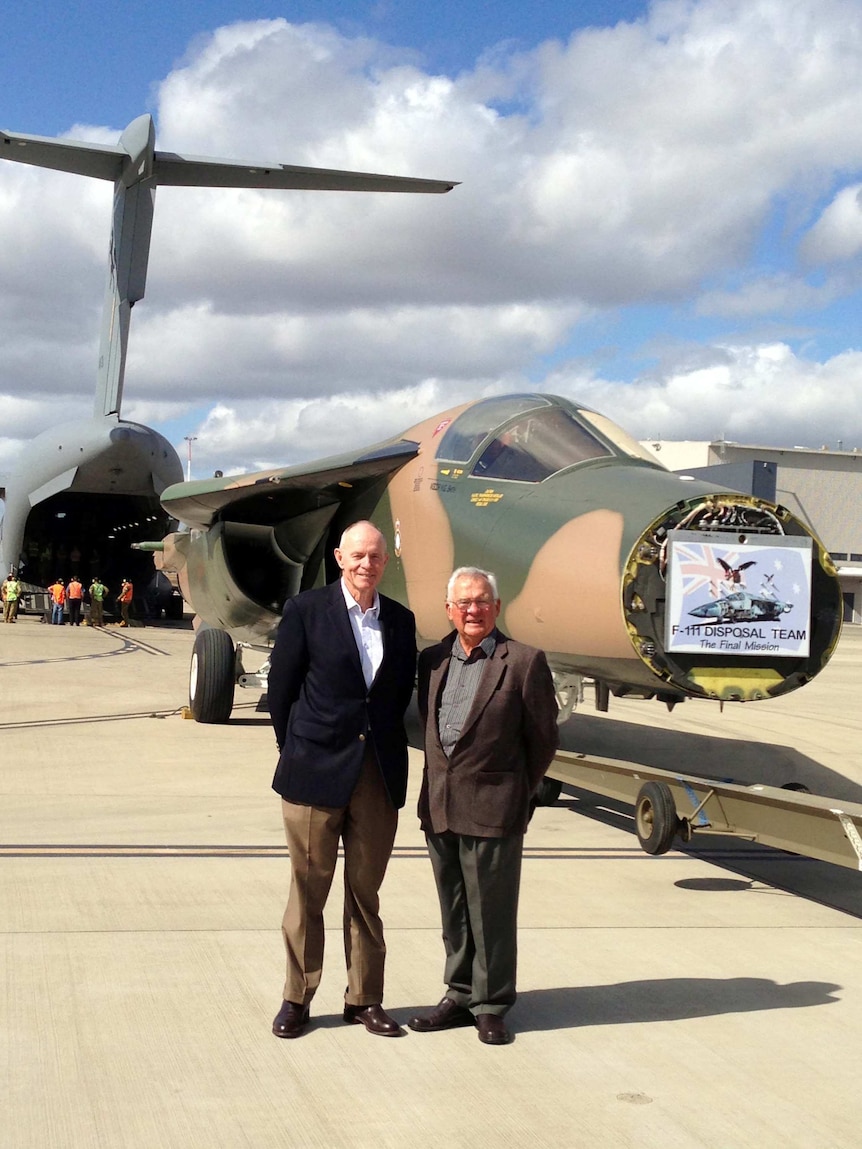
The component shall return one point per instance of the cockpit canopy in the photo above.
(527, 438)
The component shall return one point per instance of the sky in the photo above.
(659, 216)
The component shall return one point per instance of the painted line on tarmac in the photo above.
(176, 712)
(40, 723)
(400, 853)
(127, 645)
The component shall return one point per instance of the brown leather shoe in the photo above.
(447, 1014)
(492, 1029)
(374, 1018)
(291, 1019)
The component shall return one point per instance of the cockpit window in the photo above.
(539, 445)
(468, 431)
(620, 438)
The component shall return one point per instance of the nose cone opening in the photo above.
(731, 597)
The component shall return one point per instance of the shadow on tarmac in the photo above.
(704, 755)
(766, 868)
(664, 999)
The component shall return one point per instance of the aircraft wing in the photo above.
(200, 503)
(200, 171)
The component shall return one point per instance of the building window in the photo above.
(839, 555)
(854, 558)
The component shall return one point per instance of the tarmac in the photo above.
(691, 999)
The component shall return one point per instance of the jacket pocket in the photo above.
(316, 732)
(496, 797)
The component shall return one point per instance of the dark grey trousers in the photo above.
(478, 880)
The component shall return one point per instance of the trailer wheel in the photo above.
(212, 676)
(549, 791)
(656, 819)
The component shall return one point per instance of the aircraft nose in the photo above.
(707, 610)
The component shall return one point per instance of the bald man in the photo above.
(341, 676)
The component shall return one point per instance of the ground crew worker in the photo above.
(124, 599)
(98, 590)
(57, 592)
(11, 594)
(75, 598)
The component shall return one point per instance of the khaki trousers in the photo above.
(366, 827)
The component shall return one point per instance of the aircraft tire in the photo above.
(656, 820)
(212, 676)
(548, 792)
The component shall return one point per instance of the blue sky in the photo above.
(660, 215)
(94, 61)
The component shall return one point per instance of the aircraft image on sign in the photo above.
(742, 607)
(572, 515)
(83, 491)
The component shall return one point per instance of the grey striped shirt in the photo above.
(462, 682)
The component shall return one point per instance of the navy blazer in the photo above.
(322, 711)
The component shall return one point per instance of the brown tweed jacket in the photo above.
(506, 745)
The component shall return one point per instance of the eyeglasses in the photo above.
(464, 604)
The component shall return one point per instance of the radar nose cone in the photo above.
(706, 610)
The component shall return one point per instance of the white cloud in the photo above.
(837, 234)
(762, 394)
(630, 166)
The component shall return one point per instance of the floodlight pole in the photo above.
(189, 439)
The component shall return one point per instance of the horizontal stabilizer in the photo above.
(103, 161)
(106, 162)
(199, 171)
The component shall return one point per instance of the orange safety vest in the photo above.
(126, 593)
(58, 593)
(75, 590)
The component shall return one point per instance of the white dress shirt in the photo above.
(366, 631)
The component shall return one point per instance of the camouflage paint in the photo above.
(577, 555)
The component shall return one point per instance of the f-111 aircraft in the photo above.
(572, 515)
(740, 606)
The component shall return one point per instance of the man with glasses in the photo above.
(490, 718)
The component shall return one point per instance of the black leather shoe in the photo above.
(291, 1020)
(374, 1018)
(492, 1029)
(447, 1014)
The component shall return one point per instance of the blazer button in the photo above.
(361, 737)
